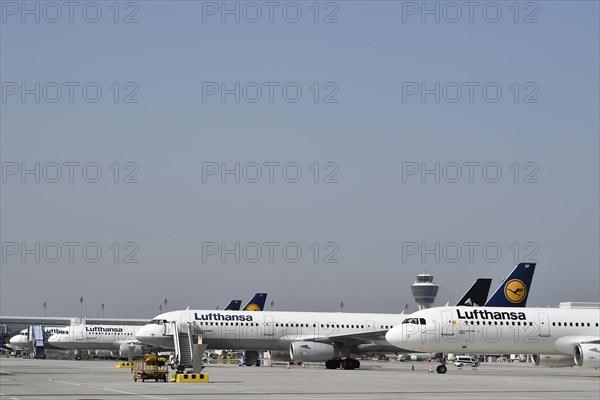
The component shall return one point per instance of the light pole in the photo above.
(44, 307)
(102, 309)
(272, 304)
(165, 303)
(81, 308)
(160, 308)
(342, 306)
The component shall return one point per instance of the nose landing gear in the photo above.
(442, 369)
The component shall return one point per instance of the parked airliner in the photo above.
(574, 333)
(24, 341)
(307, 336)
(119, 339)
(295, 336)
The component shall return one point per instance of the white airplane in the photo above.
(573, 334)
(295, 336)
(291, 336)
(118, 339)
(22, 340)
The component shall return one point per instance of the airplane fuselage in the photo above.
(94, 337)
(270, 330)
(498, 330)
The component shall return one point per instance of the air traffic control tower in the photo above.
(424, 290)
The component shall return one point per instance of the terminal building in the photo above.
(424, 290)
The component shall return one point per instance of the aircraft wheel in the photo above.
(349, 363)
(332, 364)
(441, 369)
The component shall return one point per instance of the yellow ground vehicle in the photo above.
(151, 367)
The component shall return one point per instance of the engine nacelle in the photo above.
(311, 351)
(587, 355)
(103, 353)
(124, 350)
(552, 361)
(279, 355)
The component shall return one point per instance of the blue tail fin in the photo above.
(234, 305)
(476, 296)
(514, 290)
(257, 303)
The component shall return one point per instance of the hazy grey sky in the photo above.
(379, 139)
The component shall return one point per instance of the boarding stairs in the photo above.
(35, 335)
(183, 344)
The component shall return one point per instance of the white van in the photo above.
(460, 361)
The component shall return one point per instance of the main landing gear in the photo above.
(346, 363)
(442, 369)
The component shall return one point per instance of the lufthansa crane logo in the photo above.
(515, 291)
(253, 307)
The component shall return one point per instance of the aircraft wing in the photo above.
(355, 338)
(348, 338)
(565, 344)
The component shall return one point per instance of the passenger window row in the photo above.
(228, 323)
(571, 324)
(513, 323)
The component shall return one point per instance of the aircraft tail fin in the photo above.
(477, 294)
(257, 303)
(515, 288)
(234, 305)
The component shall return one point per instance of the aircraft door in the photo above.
(449, 327)
(544, 324)
(208, 327)
(77, 333)
(269, 325)
(90, 336)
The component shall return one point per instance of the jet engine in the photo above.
(587, 355)
(103, 353)
(124, 350)
(280, 355)
(552, 361)
(311, 351)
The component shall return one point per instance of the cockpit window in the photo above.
(422, 321)
(413, 321)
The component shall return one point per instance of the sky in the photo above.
(323, 152)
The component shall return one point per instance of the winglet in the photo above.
(515, 288)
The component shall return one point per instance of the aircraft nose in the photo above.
(15, 339)
(395, 337)
(147, 333)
